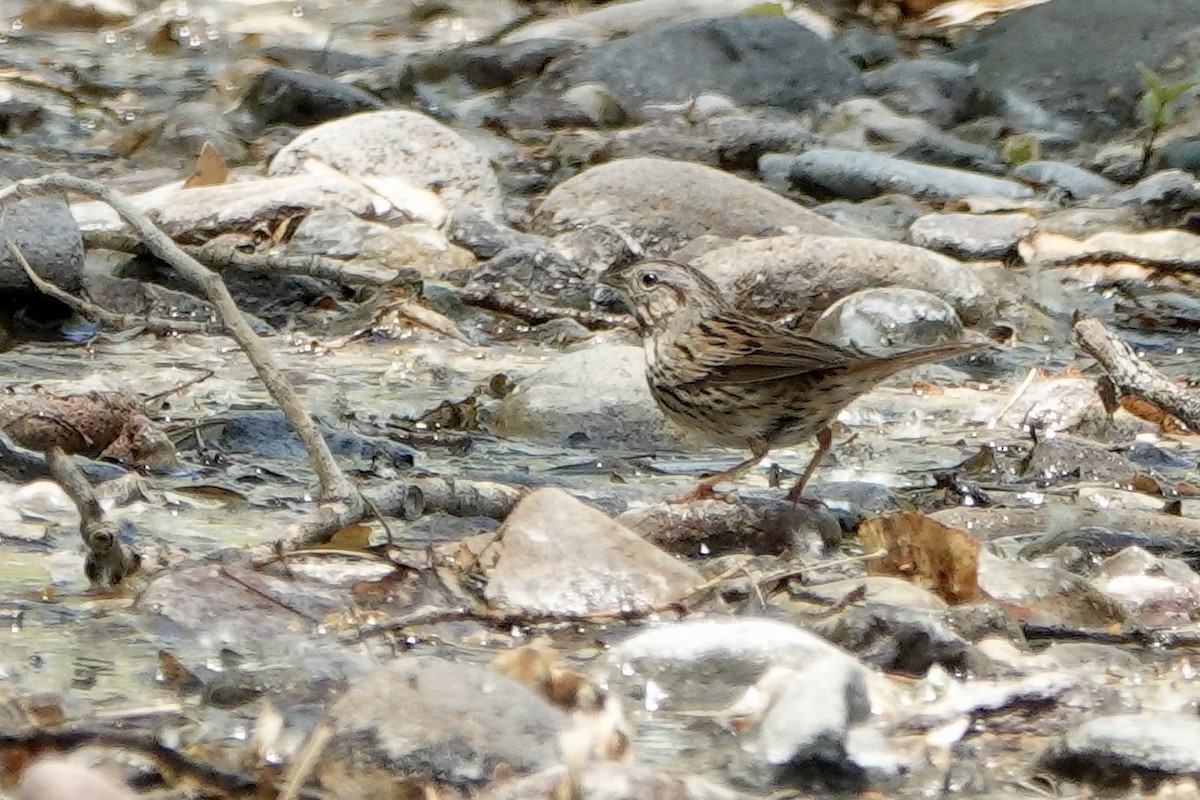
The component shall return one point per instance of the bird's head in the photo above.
(659, 292)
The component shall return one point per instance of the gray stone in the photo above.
(889, 318)
(598, 393)
(184, 131)
(857, 176)
(431, 720)
(290, 96)
(56, 778)
(664, 204)
(885, 217)
(1121, 746)
(709, 663)
(480, 232)
(943, 150)
(742, 140)
(537, 271)
(897, 638)
(873, 589)
(1184, 155)
(198, 213)
(397, 144)
(43, 229)
(813, 712)
(801, 276)
(938, 91)
(561, 271)
(612, 780)
(756, 59)
(1121, 162)
(1077, 58)
(561, 557)
(598, 103)
(615, 20)
(335, 232)
(1163, 199)
(972, 237)
(492, 66)
(1075, 182)
(868, 48)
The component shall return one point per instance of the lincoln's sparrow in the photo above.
(740, 380)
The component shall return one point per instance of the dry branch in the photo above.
(103, 315)
(109, 560)
(334, 484)
(407, 499)
(220, 256)
(490, 300)
(1134, 376)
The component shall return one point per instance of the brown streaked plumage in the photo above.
(742, 381)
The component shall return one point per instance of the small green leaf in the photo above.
(1152, 105)
(1176, 90)
(1150, 78)
(770, 9)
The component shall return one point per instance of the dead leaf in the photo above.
(210, 170)
(112, 424)
(1144, 409)
(539, 667)
(352, 537)
(1147, 484)
(942, 559)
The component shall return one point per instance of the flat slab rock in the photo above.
(664, 204)
(568, 399)
(399, 143)
(609, 780)
(804, 275)
(427, 719)
(559, 556)
(1116, 747)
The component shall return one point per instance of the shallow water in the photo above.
(62, 638)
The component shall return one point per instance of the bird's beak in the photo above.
(615, 277)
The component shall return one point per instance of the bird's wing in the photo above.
(734, 350)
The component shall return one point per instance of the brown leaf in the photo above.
(539, 667)
(210, 169)
(1144, 409)
(942, 559)
(1147, 484)
(352, 537)
(83, 423)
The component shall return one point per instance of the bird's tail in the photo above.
(885, 366)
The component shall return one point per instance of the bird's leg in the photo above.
(706, 489)
(824, 442)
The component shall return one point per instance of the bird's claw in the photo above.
(704, 491)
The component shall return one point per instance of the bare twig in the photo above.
(489, 300)
(1012, 401)
(109, 560)
(103, 315)
(1135, 376)
(408, 499)
(334, 484)
(222, 256)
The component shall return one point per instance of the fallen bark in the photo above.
(1134, 376)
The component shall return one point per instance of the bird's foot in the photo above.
(704, 491)
(794, 496)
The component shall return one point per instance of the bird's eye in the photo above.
(649, 279)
